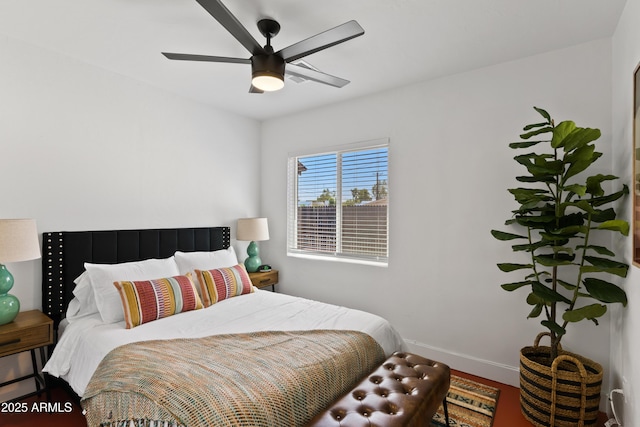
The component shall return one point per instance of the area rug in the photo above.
(470, 404)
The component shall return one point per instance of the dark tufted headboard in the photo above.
(64, 254)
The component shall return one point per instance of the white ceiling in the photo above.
(405, 41)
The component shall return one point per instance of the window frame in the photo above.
(292, 204)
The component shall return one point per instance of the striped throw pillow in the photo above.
(147, 300)
(222, 283)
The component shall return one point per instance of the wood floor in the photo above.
(507, 415)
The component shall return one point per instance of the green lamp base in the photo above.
(9, 308)
(9, 304)
(253, 261)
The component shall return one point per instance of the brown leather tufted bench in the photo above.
(406, 390)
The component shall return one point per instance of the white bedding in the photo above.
(87, 340)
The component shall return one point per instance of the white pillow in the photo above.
(191, 261)
(103, 275)
(84, 302)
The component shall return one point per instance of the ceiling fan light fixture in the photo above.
(267, 83)
(267, 72)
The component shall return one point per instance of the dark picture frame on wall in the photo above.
(636, 166)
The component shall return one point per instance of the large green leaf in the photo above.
(622, 272)
(618, 225)
(605, 291)
(541, 211)
(536, 311)
(570, 230)
(565, 233)
(539, 274)
(565, 285)
(590, 312)
(598, 249)
(534, 221)
(594, 186)
(604, 262)
(538, 165)
(550, 260)
(535, 125)
(599, 201)
(560, 132)
(530, 247)
(578, 189)
(530, 205)
(572, 219)
(557, 238)
(539, 178)
(507, 267)
(603, 215)
(579, 160)
(501, 235)
(539, 219)
(580, 204)
(527, 192)
(528, 135)
(543, 113)
(530, 195)
(524, 144)
(516, 285)
(548, 294)
(603, 265)
(557, 243)
(533, 299)
(579, 138)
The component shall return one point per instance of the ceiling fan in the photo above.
(268, 67)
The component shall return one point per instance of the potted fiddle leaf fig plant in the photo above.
(561, 211)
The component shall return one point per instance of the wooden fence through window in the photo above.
(364, 229)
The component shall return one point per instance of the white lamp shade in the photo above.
(252, 229)
(18, 240)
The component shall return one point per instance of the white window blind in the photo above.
(339, 203)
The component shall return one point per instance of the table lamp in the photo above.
(18, 242)
(254, 230)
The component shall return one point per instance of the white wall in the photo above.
(624, 357)
(85, 149)
(450, 168)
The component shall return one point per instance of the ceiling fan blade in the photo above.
(231, 23)
(332, 37)
(205, 58)
(254, 89)
(316, 76)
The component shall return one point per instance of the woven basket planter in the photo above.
(565, 393)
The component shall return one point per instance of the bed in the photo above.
(249, 359)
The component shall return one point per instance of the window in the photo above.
(339, 203)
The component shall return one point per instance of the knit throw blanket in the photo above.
(261, 379)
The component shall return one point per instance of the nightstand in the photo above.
(263, 279)
(29, 331)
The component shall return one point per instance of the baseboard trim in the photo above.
(472, 365)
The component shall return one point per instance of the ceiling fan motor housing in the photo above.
(267, 65)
